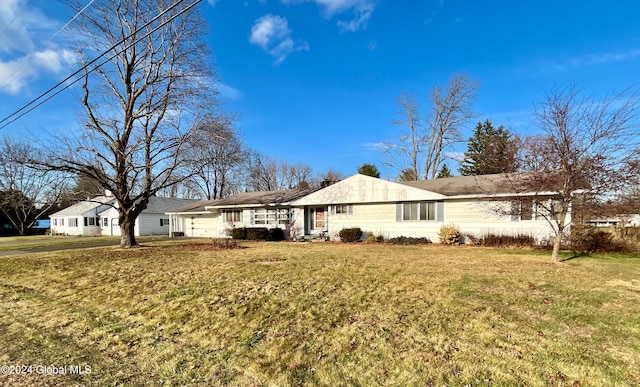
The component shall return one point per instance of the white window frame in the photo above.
(232, 216)
(419, 211)
(73, 222)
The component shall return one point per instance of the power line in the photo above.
(28, 57)
(42, 95)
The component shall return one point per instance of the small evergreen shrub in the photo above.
(449, 235)
(256, 234)
(275, 234)
(349, 235)
(239, 233)
(403, 240)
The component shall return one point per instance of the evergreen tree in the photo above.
(369, 170)
(444, 172)
(490, 150)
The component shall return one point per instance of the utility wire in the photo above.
(28, 57)
(41, 96)
(14, 18)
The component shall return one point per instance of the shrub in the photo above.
(224, 243)
(239, 233)
(275, 234)
(507, 240)
(256, 234)
(585, 240)
(403, 240)
(373, 238)
(449, 235)
(350, 234)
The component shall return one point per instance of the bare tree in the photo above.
(450, 111)
(26, 193)
(219, 148)
(141, 107)
(267, 174)
(405, 156)
(420, 150)
(585, 144)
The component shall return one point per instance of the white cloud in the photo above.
(576, 62)
(16, 74)
(372, 45)
(19, 23)
(362, 15)
(19, 26)
(375, 146)
(229, 93)
(362, 10)
(212, 2)
(272, 34)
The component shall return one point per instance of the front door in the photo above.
(320, 220)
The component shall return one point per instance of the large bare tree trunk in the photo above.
(142, 105)
(127, 232)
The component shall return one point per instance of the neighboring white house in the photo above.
(82, 218)
(99, 216)
(473, 204)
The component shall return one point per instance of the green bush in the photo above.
(403, 240)
(239, 233)
(449, 235)
(256, 234)
(275, 234)
(350, 234)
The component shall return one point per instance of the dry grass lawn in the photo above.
(321, 314)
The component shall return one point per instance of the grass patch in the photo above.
(321, 314)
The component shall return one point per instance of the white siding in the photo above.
(482, 217)
(149, 224)
(381, 220)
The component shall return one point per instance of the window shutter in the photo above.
(398, 212)
(86, 221)
(161, 222)
(440, 211)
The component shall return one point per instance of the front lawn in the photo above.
(320, 314)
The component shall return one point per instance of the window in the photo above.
(417, 211)
(105, 222)
(55, 221)
(343, 209)
(164, 222)
(265, 216)
(90, 221)
(522, 210)
(73, 222)
(62, 222)
(231, 216)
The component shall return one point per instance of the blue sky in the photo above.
(315, 81)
